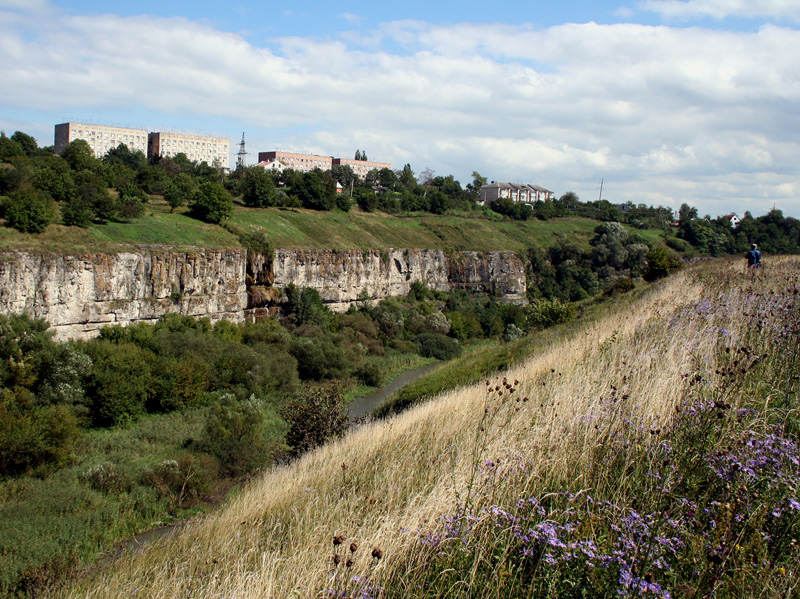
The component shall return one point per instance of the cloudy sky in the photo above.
(665, 101)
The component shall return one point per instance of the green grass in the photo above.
(300, 228)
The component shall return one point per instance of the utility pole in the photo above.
(240, 155)
(601, 190)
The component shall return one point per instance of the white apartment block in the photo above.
(213, 150)
(101, 138)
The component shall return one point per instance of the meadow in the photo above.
(651, 452)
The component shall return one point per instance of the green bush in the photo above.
(543, 313)
(370, 374)
(121, 383)
(434, 345)
(319, 359)
(244, 435)
(212, 203)
(29, 210)
(660, 263)
(34, 439)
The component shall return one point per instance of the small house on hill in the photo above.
(733, 220)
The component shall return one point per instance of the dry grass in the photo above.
(386, 480)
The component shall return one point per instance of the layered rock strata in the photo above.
(80, 294)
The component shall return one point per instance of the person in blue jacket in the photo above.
(753, 257)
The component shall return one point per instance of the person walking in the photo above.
(753, 258)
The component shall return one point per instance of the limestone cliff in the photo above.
(345, 276)
(80, 294)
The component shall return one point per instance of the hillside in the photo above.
(652, 452)
(303, 228)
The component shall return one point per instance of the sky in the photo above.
(657, 102)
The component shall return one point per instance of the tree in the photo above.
(9, 148)
(78, 211)
(407, 178)
(258, 188)
(244, 435)
(315, 415)
(386, 177)
(29, 210)
(53, 176)
(28, 143)
(660, 263)
(316, 191)
(344, 174)
(80, 156)
(212, 203)
(686, 213)
(122, 155)
(477, 182)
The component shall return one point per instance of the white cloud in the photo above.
(663, 115)
(720, 9)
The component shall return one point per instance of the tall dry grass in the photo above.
(383, 483)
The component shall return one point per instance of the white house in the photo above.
(516, 192)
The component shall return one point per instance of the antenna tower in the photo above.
(240, 155)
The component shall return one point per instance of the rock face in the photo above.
(78, 295)
(344, 277)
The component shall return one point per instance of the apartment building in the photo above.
(212, 150)
(361, 167)
(308, 162)
(101, 138)
(516, 192)
(297, 162)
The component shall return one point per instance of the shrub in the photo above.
(620, 285)
(370, 374)
(184, 478)
(544, 313)
(243, 435)
(107, 478)
(130, 202)
(434, 345)
(34, 439)
(316, 414)
(660, 263)
(319, 359)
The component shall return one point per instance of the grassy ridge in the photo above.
(301, 228)
(429, 498)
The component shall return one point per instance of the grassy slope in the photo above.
(385, 481)
(299, 228)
